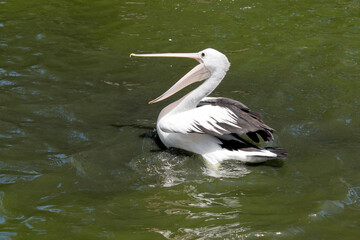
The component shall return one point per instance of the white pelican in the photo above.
(211, 126)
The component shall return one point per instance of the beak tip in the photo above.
(131, 54)
(153, 101)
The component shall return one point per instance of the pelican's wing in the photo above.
(218, 117)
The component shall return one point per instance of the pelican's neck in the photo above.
(192, 99)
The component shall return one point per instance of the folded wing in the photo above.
(218, 117)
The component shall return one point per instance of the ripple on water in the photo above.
(213, 213)
(226, 231)
(328, 208)
(31, 223)
(163, 168)
(68, 210)
(303, 129)
(5, 82)
(13, 174)
(228, 169)
(232, 230)
(331, 208)
(172, 167)
(7, 235)
(57, 111)
(352, 195)
(59, 159)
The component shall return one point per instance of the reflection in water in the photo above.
(171, 167)
(182, 174)
(229, 169)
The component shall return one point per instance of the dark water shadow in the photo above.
(277, 163)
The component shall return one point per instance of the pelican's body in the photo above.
(208, 126)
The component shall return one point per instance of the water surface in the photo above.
(78, 158)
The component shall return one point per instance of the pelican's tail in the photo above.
(237, 148)
(280, 152)
(259, 155)
(246, 155)
(234, 147)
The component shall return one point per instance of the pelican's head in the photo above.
(211, 61)
(214, 60)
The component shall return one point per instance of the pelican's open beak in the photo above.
(198, 73)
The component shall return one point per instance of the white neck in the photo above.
(192, 99)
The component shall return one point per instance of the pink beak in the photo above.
(198, 73)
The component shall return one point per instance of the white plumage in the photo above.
(189, 121)
(211, 127)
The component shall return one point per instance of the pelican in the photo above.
(213, 127)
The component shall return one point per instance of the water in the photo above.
(78, 158)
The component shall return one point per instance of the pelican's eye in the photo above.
(202, 55)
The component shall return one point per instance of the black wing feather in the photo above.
(251, 122)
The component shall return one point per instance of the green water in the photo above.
(78, 160)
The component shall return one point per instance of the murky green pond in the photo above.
(78, 158)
